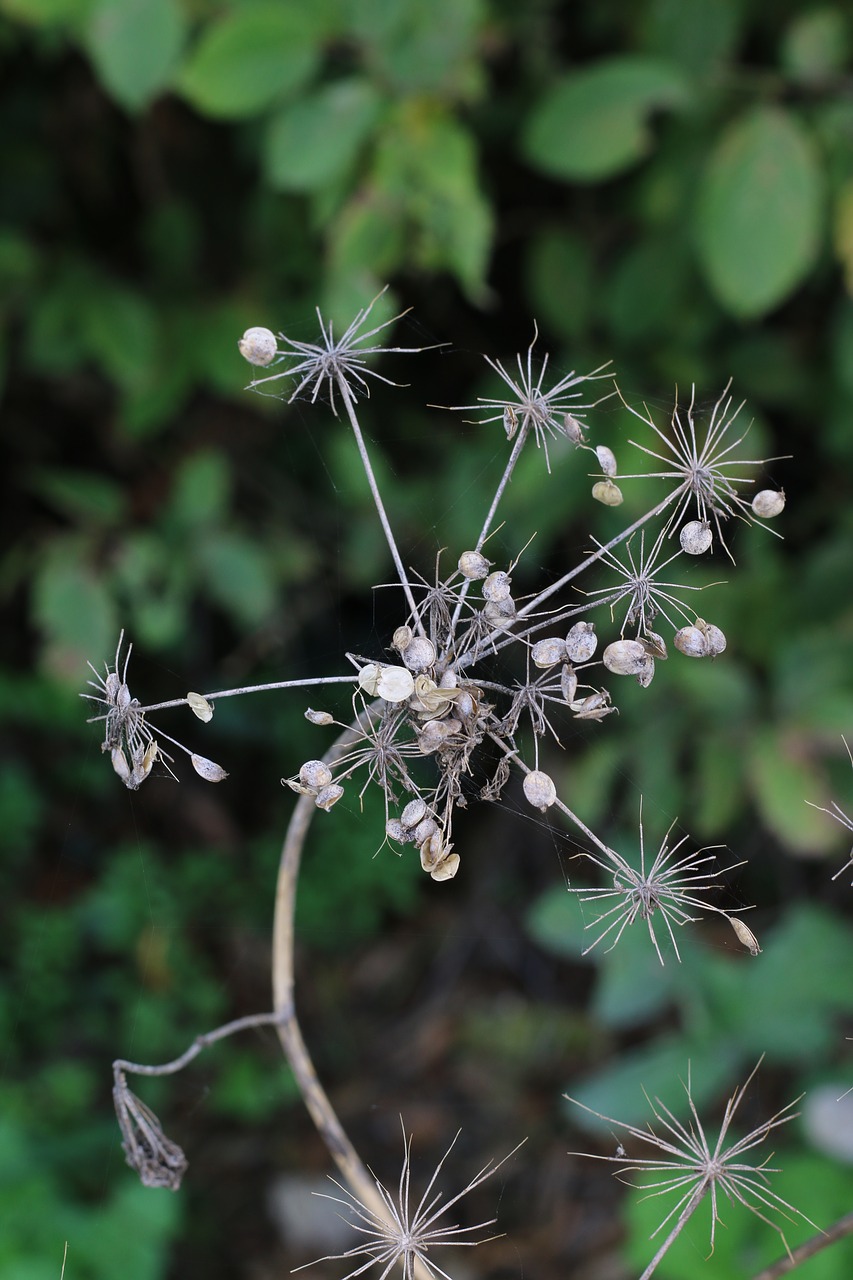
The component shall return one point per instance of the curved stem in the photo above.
(843, 1227)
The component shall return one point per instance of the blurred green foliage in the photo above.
(668, 184)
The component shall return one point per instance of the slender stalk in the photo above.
(378, 503)
(686, 1212)
(815, 1244)
(250, 688)
(121, 1065)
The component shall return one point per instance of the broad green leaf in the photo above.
(556, 922)
(84, 496)
(423, 45)
(73, 608)
(237, 576)
(698, 35)
(134, 45)
(560, 281)
(45, 12)
(817, 45)
(317, 137)
(759, 217)
(251, 57)
(783, 776)
(201, 490)
(593, 123)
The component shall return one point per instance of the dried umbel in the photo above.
(158, 1161)
(703, 640)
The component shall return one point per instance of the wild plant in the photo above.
(473, 680)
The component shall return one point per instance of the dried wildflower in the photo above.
(337, 364)
(641, 591)
(693, 1167)
(408, 1234)
(546, 412)
(158, 1161)
(667, 888)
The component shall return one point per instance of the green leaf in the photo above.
(251, 57)
(696, 34)
(816, 46)
(316, 138)
(134, 45)
(593, 123)
(237, 575)
(201, 490)
(83, 496)
(783, 777)
(759, 218)
(73, 608)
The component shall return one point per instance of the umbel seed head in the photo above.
(258, 346)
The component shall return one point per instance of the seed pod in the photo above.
(572, 429)
(447, 868)
(425, 830)
(769, 503)
(606, 459)
(200, 707)
(510, 421)
(691, 641)
(419, 654)
(646, 674)
(595, 706)
(499, 612)
(581, 642)
(434, 734)
(654, 644)
(568, 683)
(394, 684)
(497, 586)
(319, 717)
(328, 796)
(402, 638)
(395, 830)
(315, 774)
(449, 680)
(432, 851)
(258, 346)
(625, 658)
(547, 653)
(539, 790)
(473, 565)
(745, 935)
(120, 765)
(695, 537)
(714, 638)
(208, 769)
(608, 493)
(413, 813)
(466, 704)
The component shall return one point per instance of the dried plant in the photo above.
(694, 1166)
(443, 716)
(835, 811)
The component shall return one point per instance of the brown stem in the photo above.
(843, 1227)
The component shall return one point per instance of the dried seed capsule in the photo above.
(608, 493)
(315, 774)
(568, 683)
(646, 674)
(497, 586)
(395, 830)
(606, 459)
(327, 796)
(714, 638)
(769, 503)
(208, 769)
(510, 421)
(581, 642)
(402, 638)
(200, 706)
(447, 868)
(319, 717)
(419, 654)
(626, 658)
(547, 653)
(595, 706)
(120, 765)
(695, 537)
(745, 935)
(413, 813)
(539, 789)
(691, 641)
(572, 429)
(394, 684)
(473, 565)
(425, 830)
(654, 644)
(432, 851)
(258, 346)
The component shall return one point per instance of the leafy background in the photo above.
(668, 184)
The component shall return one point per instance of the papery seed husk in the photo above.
(413, 813)
(432, 850)
(646, 674)
(695, 537)
(258, 345)
(769, 503)
(568, 683)
(497, 586)
(120, 765)
(394, 684)
(608, 493)
(402, 638)
(425, 830)
(499, 612)
(319, 717)
(654, 644)
(539, 789)
(208, 769)
(315, 774)
(606, 459)
(510, 421)
(395, 830)
(200, 706)
(547, 653)
(328, 796)
(715, 640)
(745, 935)
(625, 657)
(419, 654)
(573, 429)
(473, 565)
(447, 868)
(449, 680)
(581, 642)
(691, 641)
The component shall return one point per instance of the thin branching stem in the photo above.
(122, 1066)
(250, 688)
(815, 1244)
(688, 1210)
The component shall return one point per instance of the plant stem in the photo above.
(686, 1212)
(843, 1227)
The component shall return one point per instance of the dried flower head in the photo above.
(158, 1161)
(693, 1166)
(407, 1233)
